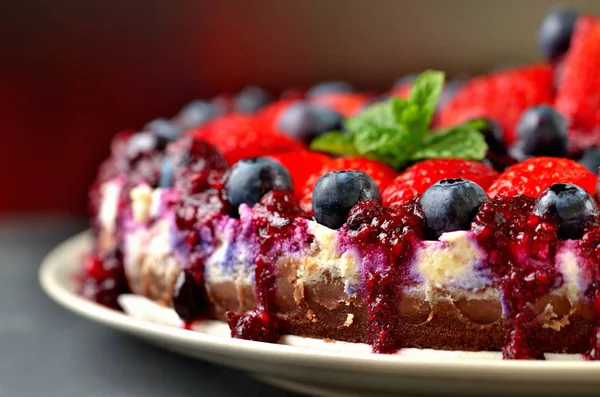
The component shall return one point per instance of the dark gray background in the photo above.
(47, 351)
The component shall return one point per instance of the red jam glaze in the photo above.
(275, 217)
(521, 251)
(385, 239)
(104, 279)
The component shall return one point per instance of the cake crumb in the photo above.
(327, 340)
(349, 320)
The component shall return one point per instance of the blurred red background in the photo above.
(73, 73)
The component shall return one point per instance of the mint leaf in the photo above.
(424, 95)
(334, 142)
(378, 115)
(460, 141)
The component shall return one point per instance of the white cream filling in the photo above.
(107, 214)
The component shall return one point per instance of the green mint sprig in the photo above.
(398, 131)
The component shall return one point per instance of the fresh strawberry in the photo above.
(418, 177)
(381, 174)
(533, 176)
(578, 93)
(348, 104)
(301, 165)
(501, 96)
(237, 137)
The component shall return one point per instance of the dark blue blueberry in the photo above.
(570, 206)
(337, 192)
(167, 173)
(305, 121)
(450, 205)
(250, 179)
(406, 79)
(450, 88)
(164, 129)
(591, 159)
(142, 143)
(329, 87)
(195, 114)
(541, 131)
(251, 99)
(554, 36)
(494, 136)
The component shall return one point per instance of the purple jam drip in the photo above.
(277, 218)
(385, 240)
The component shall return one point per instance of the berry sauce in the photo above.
(385, 239)
(277, 218)
(522, 250)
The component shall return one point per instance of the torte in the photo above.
(461, 216)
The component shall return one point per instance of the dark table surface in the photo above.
(47, 351)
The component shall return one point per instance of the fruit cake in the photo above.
(448, 216)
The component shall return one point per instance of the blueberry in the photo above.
(329, 87)
(164, 129)
(406, 79)
(541, 131)
(337, 192)
(554, 36)
(450, 205)
(250, 179)
(167, 173)
(305, 121)
(570, 206)
(251, 99)
(494, 136)
(142, 143)
(591, 159)
(195, 114)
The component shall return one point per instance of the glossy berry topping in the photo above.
(591, 159)
(450, 205)
(541, 131)
(329, 87)
(571, 207)
(535, 175)
(164, 129)
(196, 113)
(420, 176)
(305, 121)
(249, 180)
(337, 192)
(251, 99)
(189, 297)
(555, 32)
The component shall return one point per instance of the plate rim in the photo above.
(510, 370)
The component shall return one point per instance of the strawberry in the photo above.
(301, 165)
(578, 93)
(420, 176)
(382, 175)
(237, 137)
(501, 96)
(348, 104)
(401, 91)
(533, 176)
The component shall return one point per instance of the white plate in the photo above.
(321, 368)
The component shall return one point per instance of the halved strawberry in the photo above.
(238, 136)
(501, 96)
(578, 93)
(533, 176)
(382, 175)
(417, 178)
(270, 113)
(301, 166)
